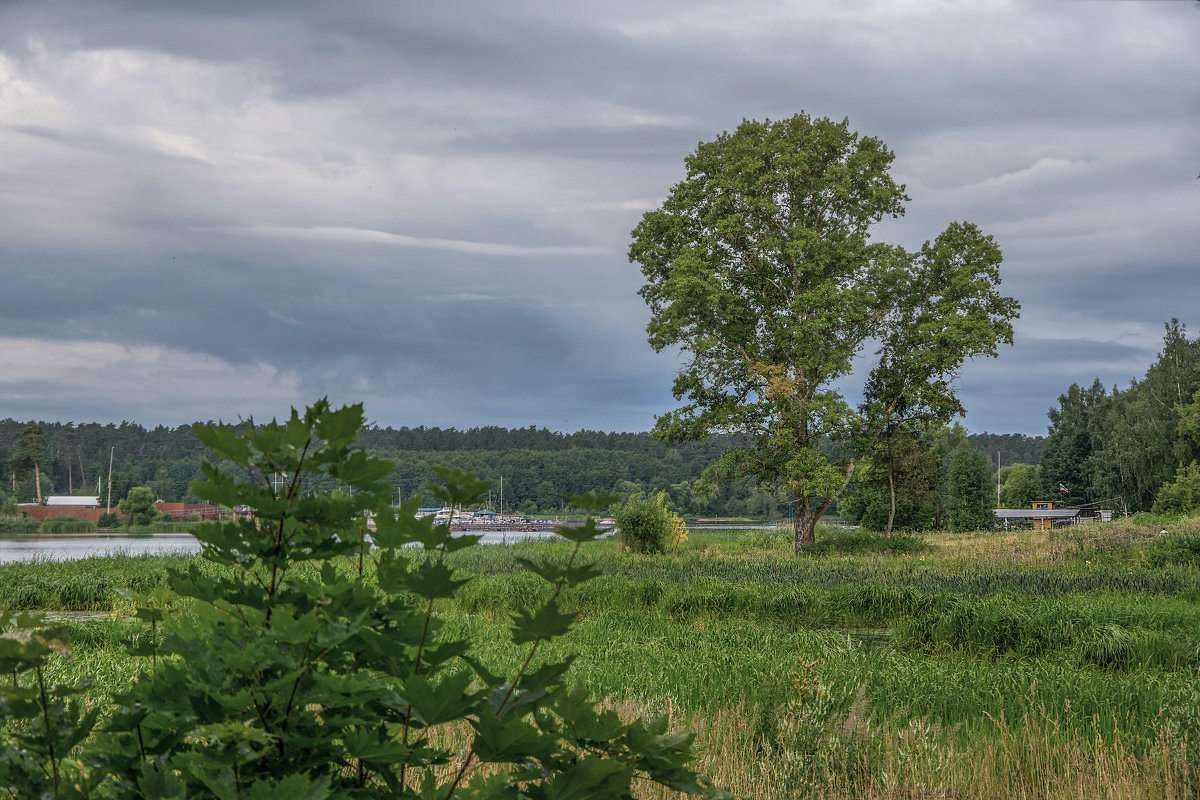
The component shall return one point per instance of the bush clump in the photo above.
(645, 525)
(1181, 495)
(66, 524)
(18, 525)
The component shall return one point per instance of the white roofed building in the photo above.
(84, 501)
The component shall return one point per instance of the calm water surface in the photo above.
(71, 546)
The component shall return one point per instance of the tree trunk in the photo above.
(887, 532)
(37, 479)
(804, 523)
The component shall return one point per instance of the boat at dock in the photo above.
(491, 521)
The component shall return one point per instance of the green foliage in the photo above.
(1120, 448)
(759, 268)
(18, 525)
(1014, 448)
(307, 663)
(1182, 494)
(898, 488)
(108, 519)
(1180, 548)
(968, 492)
(852, 542)
(89, 584)
(644, 524)
(870, 506)
(1073, 435)
(66, 525)
(28, 454)
(539, 466)
(138, 506)
(937, 654)
(1021, 485)
(43, 722)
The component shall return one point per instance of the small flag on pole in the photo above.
(1063, 488)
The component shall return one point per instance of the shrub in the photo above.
(677, 534)
(66, 525)
(1181, 495)
(108, 519)
(644, 525)
(18, 525)
(138, 506)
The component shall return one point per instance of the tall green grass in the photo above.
(89, 584)
(17, 525)
(1078, 659)
(66, 525)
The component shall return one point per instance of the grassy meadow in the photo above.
(1059, 664)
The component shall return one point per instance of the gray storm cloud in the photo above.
(236, 207)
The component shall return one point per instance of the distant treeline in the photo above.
(538, 466)
(1119, 447)
(76, 459)
(1126, 449)
(1014, 448)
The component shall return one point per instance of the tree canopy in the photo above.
(28, 454)
(138, 506)
(760, 269)
(1118, 448)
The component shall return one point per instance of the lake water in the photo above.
(72, 546)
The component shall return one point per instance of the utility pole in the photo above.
(108, 506)
(997, 479)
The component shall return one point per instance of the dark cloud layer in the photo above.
(217, 209)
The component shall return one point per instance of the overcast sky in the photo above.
(223, 209)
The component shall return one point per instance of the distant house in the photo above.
(1040, 516)
(91, 508)
(84, 501)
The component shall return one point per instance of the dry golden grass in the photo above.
(853, 758)
(1030, 759)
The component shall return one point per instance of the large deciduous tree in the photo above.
(759, 267)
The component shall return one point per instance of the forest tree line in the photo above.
(538, 466)
(1128, 449)
(1121, 448)
(1125, 449)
